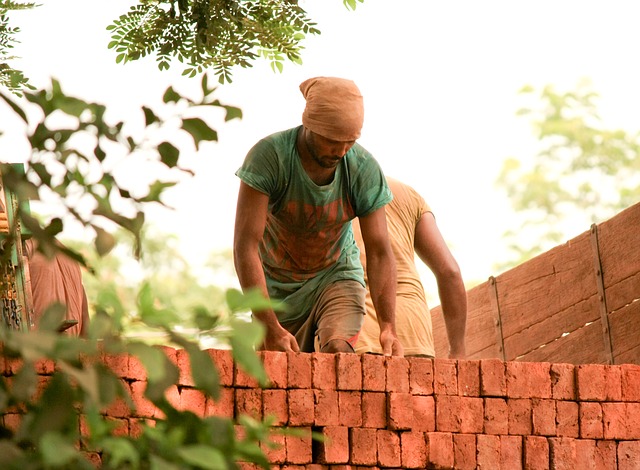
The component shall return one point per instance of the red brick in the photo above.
(44, 366)
(493, 381)
(363, 446)
(275, 449)
(397, 369)
(421, 376)
(388, 444)
(243, 379)
(118, 363)
(299, 446)
(469, 378)
(143, 407)
(223, 360)
(448, 413)
(543, 417)
(590, 415)
(599, 382)
(400, 411)
(374, 373)
(629, 455)
(335, 448)
(445, 376)
(471, 415)
(511, 452)
(249, 402)
(299, 370)
(275, 404)
(630, 377)
(184, 367)
(488, 451)
(413, 450)
(118, 408)
(324, 371)
(519, 416)
(440, 445)
(192, 400)
(275, 366)
(633, 421)
(301, 407)
(326, 407)
(424, 413)
(120, 426)
(606, 455)
(224, 406)
(614, 419)
(169, 352)
(94, 459)
(567, 419)
(563, 381)
(562, 453)
(536, 453)
(496, 416)
(374, 410)
(350, 408)
(12, 421)
(528, 379)
(464, 451)
(348, 371)
(585, 454)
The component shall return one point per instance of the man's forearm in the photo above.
(381, 272)
(453, 297)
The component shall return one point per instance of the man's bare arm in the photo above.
(251, 217)
(434, 252)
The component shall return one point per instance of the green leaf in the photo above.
(204, 373)
(170, 96)
(243, 340)
(104, 242)
(56, 450)
(120, 451)
(169, 154)
(199, 130)
(203, 456)
(253, 299)
(149, 116)
(232, 113)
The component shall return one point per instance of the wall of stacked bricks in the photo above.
(387, 412)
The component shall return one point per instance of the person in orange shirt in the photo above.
(413, 230)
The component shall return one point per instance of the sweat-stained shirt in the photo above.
(308, 240)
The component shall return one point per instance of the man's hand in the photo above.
(280, 340)
(390, 344)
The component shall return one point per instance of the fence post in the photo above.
(497, 320)
(602, 299)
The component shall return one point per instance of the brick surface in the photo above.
(323, 371)
(335, 448)
(397, 370)
(193, 400)
(276, 449)
(496, 416)
(413, 450)
(302, 411)
(363, 447)
(374, 410)
(471, 415)
(629, 455)
(448, 413)
(421, 376)
(440, 449)
(488, 451)
(469, 378)
(543, 417)
(563, 382)
(590, 420)
(598, 382)
(536, 453)
(350, 408)
(633, 421)
(388, 444)
(511, 452)
(326, 407)
(562, 453)
(275, 366)
(184, 367)
(424, 413)
(614, 420)
(630, 381)
(275, 404)
(606, 457)
(464, 451)
(528, 379)
(493, 382)
(400, 411)
(299, 370)
(299, 446)
(519, 416)
(445, 376)
(223, 360)
(242, 378)
(249, 402)
(224, 406)
(348, 371)
(374, 374)
(567, 419)
(585, 454)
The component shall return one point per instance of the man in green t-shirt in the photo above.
(299, 190)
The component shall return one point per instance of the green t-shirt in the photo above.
(308, 241)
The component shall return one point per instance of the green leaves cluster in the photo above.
(581, 169)
(11, 78)
(209, 35)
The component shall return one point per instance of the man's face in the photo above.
(326, 152)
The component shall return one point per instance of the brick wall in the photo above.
(378, 412)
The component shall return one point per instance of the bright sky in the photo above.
(439, 79)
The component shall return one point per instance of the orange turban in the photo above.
(334, 110)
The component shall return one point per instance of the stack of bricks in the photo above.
(380, 412)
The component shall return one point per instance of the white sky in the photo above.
(440, 82)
